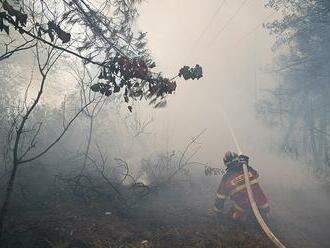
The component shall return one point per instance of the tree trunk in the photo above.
(9, 190)
(89, 141)
(16, 159)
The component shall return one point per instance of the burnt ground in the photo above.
(176, 216)
(82, 226)
(69, 224)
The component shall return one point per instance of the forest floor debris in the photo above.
(79, 226)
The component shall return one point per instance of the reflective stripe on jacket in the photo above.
(233, 187)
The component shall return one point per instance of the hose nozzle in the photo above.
(243, 159)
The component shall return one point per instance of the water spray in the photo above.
(253, 203)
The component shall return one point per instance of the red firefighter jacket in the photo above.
(233, 187)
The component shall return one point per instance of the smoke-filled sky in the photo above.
(228, 40)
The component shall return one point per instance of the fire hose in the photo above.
(256, 211)
(253, 203)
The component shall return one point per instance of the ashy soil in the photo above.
(78, 225)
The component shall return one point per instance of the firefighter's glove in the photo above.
(218, 213)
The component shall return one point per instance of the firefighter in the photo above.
(233, 187)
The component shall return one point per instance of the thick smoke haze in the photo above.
(235, 56)
(228, 40)
(233, 61)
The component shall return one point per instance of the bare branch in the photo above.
(25, 46)
(57, 139)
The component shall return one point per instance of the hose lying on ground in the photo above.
(256, 212)
(253, 204)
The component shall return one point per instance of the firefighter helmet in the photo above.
(230, 158)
